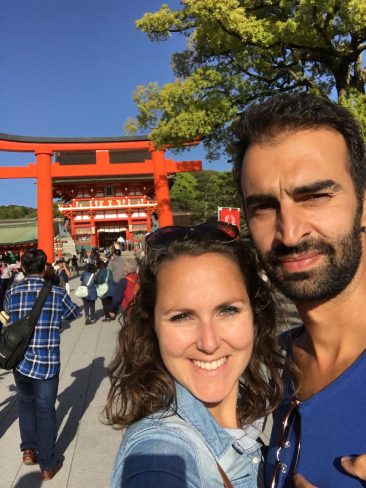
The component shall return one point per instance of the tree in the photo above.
(203, 192)
(242, 51)
(20, 212)
(16, 212)
(211, 195)
(184, 194)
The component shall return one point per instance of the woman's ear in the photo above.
(363, 215)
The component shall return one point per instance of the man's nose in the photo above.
(291, 225)
(207, 341)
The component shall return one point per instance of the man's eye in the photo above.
(316, 196)
(262, 207)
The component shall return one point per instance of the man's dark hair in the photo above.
(91, 268)
(117, 252)
(34, 261)
(300, 111)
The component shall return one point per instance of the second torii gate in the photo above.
(44, 170)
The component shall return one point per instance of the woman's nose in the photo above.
(207, 340)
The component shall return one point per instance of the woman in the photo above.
(126, 289)
(105, 280)
(191, 371)
(88, 278)
(64, 274)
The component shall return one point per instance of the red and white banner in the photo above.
(230, 215)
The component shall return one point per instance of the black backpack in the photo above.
(15, 338)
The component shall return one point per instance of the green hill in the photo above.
(17, 212)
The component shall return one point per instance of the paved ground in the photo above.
(88, 446)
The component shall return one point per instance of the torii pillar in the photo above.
(45, 204)
(162, 194)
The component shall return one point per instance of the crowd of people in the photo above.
(107, 269)
(114, 281)
(10, 271)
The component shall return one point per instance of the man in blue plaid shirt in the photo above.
(37, 375)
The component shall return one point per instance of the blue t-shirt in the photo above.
(332, 424)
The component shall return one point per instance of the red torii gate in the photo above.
(44, 170)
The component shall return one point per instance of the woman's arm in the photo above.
(149, 470)
(156, 458)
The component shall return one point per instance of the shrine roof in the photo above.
(12, 137)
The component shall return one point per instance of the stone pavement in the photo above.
(87, 445)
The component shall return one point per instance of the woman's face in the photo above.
(204, 324)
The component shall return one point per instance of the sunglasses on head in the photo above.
(217, 231)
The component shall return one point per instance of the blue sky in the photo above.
(69, 68)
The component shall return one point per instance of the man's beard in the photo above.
(342, 259)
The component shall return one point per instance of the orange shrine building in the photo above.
(109, 187)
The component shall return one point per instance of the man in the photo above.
(82, 254)
(300, 163)
(75, 265)
(37, 375)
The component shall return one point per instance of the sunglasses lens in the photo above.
(230, 231)
(165, 236)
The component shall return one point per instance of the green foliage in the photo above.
(202, 193)
(241, 51)
(16, 212)
(8, 212)
(56, 211)
(184, 194)
(356, 102)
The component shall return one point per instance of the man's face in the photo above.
(302, 212)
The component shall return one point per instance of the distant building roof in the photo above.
(18, 231)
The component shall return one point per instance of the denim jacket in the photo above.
(180, 449)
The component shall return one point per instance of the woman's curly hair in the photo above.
(140, 383)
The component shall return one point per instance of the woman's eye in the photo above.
(229, 310)
(180, 317)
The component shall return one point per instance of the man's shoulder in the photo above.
(30, 283)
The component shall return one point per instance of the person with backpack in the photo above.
(37, 374)
(88, 278)
(125, 289)
(105, 288)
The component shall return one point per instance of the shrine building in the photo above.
(110, 187)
